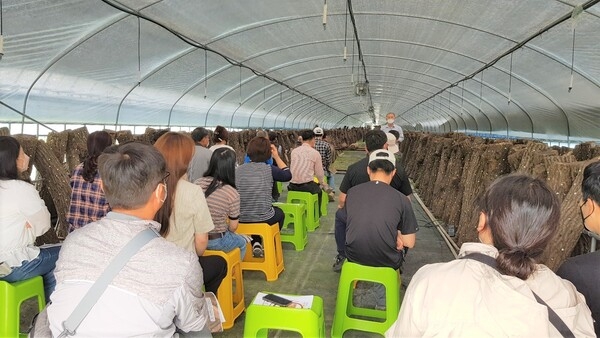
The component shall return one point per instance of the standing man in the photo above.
(324, 148)
(305, 165)
(584, 270)
(390, 118)
(202, 154)
(356, 174)
(379, 220)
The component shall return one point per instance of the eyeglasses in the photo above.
(164, 180)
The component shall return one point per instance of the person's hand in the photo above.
(274, 152)
(399, 244)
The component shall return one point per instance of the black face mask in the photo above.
(583, 218)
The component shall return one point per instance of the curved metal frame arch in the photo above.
(154, 71)
(71, 47)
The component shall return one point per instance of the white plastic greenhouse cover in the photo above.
(490, 67)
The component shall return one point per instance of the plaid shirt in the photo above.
(325, 150)
(88, 203)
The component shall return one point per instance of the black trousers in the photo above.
(311, 187)
(277, 218)
(214, 269)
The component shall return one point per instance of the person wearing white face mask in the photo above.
(390, 118)
(23, 217)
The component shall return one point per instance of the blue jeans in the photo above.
(43, 265)
(330, 179)
(228, 242)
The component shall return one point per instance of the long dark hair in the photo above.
(96, 143)
(177, 149)
(221, 169)
(523, 214)
(9, 152)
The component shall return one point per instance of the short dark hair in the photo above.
(199, 133)
(375, 139)
(384, 165)
(259, 149)
(220, 134)
(9, 152)
(590, 186)
(130, 174)
(395, 133)
(96, 143)
(523, 214)
(221, 168)
(307, 135)
(272, 136)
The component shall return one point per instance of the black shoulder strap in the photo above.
(555, 320)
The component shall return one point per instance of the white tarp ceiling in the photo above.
(445, 65)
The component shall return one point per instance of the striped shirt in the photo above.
(254, 182)
(223, 203)
(88, 203)
(305, 164)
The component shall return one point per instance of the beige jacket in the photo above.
(465, 298)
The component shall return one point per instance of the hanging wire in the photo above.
(572, 60)
(462, 98)
(346, 36)
(205, 72)
(325, 15)
(1, 19)
(352, 61)
(1, 29)
(240, 86)
(510, 78)
(139, 50)
(481, 92)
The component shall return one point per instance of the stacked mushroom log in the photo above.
(451, 171)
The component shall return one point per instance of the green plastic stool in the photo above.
(308, 322)
(324, 203)
(345, 312)
(279, 186)
(294, 213)
(11, 297)
(311, 202)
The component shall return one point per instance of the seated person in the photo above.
(491, 289)
(357, 174)
(306, 164)
(254, 182)
(584, 270)
(379, 220)
(23, 217)
(159, 290)
(184, 217)
(88, 203)
(202, 154)
(223, 202)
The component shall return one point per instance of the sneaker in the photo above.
(257, 250)
(339, 261)
(331, 197)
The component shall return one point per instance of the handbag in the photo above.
(555, 320)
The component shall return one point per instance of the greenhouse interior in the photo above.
(480, 89)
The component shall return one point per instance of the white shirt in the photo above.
(20, 203)
(386, 129)
(466, 298)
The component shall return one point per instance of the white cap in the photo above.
(391, 142)
(318, 131)
(382, 154)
